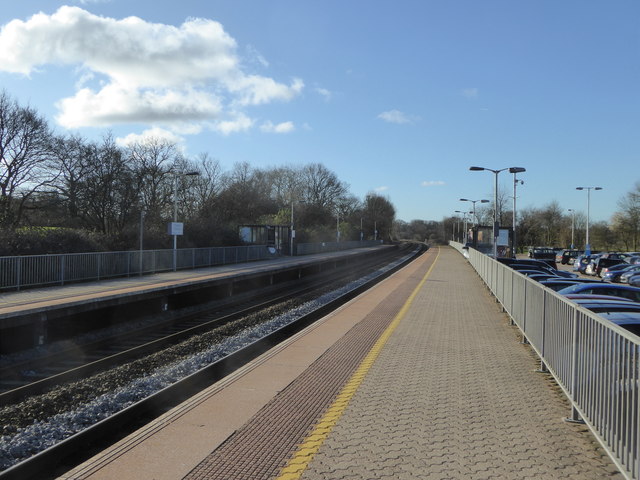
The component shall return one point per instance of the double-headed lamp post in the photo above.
(496, 229)
(175, 228)
(475, 217)
(573, 222)
(464, 224)
(587, 249)
(515, 171)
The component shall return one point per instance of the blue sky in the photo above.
(399, 97)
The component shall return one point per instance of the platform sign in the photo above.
(175, 228)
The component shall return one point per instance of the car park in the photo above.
(632, 293)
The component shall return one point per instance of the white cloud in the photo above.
(396, 116)
(470, 92)
(115, 104)
(432, 183)
(237, 123)
(154, 73)
(382, 188)
(326, 94)
(152, 133)
(284, 127)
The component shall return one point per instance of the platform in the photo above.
(421, 377)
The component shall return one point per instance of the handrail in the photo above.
(595, 362)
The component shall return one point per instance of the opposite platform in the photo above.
(420, 377)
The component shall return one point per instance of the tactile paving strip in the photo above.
(263, 446)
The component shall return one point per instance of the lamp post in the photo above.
(475, 217)
(495, 201)
(175, 228)
(587, 249)
(337, 226)
(573, 221)
(464, 224)
(515, 171)
(292, 232)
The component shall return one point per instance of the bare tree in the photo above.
(626, 221)
(321, 186)
(24, 149)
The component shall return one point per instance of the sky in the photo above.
(397, 97)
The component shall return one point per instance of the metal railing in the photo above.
(43, 270)
(595, 362)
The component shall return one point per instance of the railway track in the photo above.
(118, 424)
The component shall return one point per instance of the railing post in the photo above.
(543, 366)
(575, 416)
(19, 273)
(62, 262)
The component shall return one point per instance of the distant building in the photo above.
(276, 236)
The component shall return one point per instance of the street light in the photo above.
(464, 224)
(515, 171)
(573, 221)
(293, 232)
(495, 200)
(475, 217)
(176, 228)
(587, 249)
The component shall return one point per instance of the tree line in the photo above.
(61, 193)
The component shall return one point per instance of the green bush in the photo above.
(49, 240)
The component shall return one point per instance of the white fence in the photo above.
(595, 362)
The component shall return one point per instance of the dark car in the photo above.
(614, 273)
(583, 261)
(630, 321)
(528, 261)
(543, 269)
(634, 281)
(632, 293)
(569, 256)
(560, 283)
(542, 253)
(629, 272)
(608, 260)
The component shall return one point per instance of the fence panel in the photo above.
(595, 362)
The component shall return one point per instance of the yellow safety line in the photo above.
(308, 448)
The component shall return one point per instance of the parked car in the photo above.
(630, 321)
(568, 256)
(629, 272)
(527, 261)
(543, 269)
(634, 281)
(581, 263)
(608, 260)
(632, 293)
(633, 260)
(542, 253)
(560, 283)
(614, 273)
